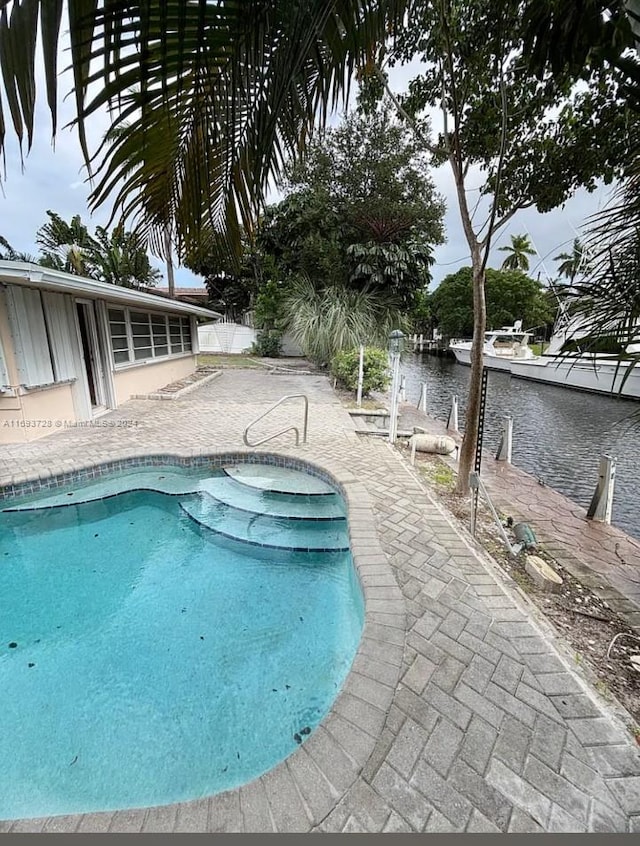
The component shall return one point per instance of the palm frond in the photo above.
(218, 94)
(324, 321)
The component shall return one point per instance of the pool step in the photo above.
(168, 480)
(275, 504)
(269, 477)
(267, 531)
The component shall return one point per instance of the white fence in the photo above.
(229, 338)
(234, 338)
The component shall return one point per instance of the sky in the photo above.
(54, 178)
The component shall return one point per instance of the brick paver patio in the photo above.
(462, 711)
(603, 557)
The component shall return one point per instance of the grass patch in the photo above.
(221, 360)
(538, 349)
(438, 473)
(366, 405)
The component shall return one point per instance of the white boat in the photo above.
(501, 348)
(596, 372)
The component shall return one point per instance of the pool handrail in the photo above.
(245, 435)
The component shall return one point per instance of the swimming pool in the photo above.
(168, 633)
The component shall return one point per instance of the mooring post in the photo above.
(506, 440)
(452, 422)
(422, 402)
(396, 339)
(360, 376)
(602, 502)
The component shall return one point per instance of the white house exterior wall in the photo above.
(43, 379)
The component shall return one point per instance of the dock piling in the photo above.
(452, 422)
(602, 501)
(360, 376)
(422, 401)
(505, 446)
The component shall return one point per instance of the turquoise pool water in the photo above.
(148, 658)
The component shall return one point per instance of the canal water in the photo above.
(558, 434)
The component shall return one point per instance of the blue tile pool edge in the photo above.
(86, 472)
(380, 615)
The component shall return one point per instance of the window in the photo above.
(119, 335)
(175, 334)
(138, 335)
(186, 333)
(159, 335)
(141, 335)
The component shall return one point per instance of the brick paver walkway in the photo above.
(603, 557)
(488, 727)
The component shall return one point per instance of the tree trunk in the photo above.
(167, 247)
(472, 418)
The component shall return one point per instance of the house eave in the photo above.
(36, 276)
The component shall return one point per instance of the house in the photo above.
(199, 295)
(72, 349)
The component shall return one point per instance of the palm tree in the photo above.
(573, 263)
(218, 95)
(7, 253)
(121, 259)
(324, 320)
(66, 246)
(519, 252)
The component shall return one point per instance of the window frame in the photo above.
(186, 338)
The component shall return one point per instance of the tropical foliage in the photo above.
(217, 95)
(345, 366)
(533, 140)
(519, 251)
(323, 321)
(8, 253)
(118, 257)
(230, 281)
(602, 294)
(510, 295)
(574, 263)
(361, 210)
(605, 303)
(66, 246)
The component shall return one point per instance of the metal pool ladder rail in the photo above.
(245, 436)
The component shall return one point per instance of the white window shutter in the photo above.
(30, 336)
(59, 316)
(4, 378)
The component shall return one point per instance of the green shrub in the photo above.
(344, 367)
(268, 344)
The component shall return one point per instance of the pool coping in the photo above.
(315, 777)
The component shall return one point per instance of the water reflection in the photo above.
(558, 434)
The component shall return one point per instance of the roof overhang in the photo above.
(36, 276)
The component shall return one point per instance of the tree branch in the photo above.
(405, 114)
(506, 217)
(486, 242)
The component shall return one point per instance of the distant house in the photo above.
(71, 348)
(199, 295)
